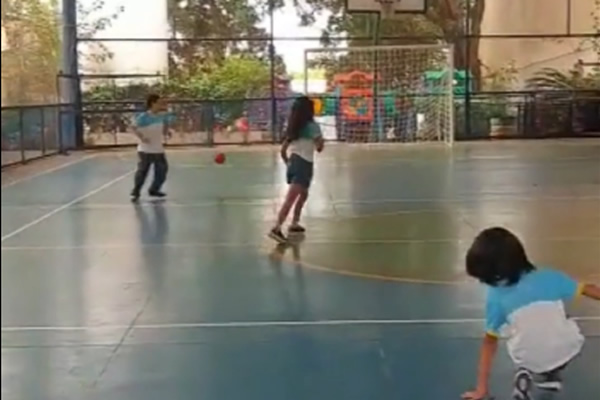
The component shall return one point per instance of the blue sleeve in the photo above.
(142, 120)
(495, 316)
(561, 285)
(169, 118)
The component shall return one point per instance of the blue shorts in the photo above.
(299, 171)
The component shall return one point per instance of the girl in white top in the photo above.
(303, 137)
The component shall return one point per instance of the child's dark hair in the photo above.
(151, 99)
(497, 257)
(302, 114)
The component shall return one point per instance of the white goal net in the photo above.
(384, 93)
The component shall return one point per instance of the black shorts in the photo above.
(299, 171)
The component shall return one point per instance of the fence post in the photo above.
(43, 130)
(210, 108)
(272, 60)
(468, 60)
(21, 136)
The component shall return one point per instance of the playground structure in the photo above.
(362, 112)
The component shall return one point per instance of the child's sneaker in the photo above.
(277, 235)
(296, 228)
(135, 197)
(522, 389)
(157, 194)
(549, 381)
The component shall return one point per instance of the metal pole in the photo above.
(70, 68)
(569, 17)
(376, 75)
(468, 69)
(272, 60)
(21, 136)
(306, 72)
(43, 130)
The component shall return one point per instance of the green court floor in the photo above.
(187, 299)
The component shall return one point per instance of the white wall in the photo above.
(140, 19)
(535, 17)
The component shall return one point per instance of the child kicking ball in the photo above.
(530, 301)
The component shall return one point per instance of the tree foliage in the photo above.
(218, 23)
(444, 19)
(574, 79)
(236, 77)
(30, 60)
(30, 63)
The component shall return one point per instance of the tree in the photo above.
(219, 23)
(30, 64)
(574, 79)
(444, 18)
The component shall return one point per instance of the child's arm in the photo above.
(284, 149)
(139, 120)
(590, 290)
(318, 138)
(320, 143)
(488, 351)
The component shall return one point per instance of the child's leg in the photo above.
(141, 173)
(304, 179)
(298, 206)
(551, 380)
(161, 168)
(294, 192)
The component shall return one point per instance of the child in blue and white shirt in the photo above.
(150, 129)
(530, 304)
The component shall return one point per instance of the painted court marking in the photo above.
(66, 205)
(266, 324)
(48, 171)
(258, 244)
(481, 196)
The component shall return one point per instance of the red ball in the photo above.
(219, 158)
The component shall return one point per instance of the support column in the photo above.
(70, 85)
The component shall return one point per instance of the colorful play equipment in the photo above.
(352, 94)
(351, 99)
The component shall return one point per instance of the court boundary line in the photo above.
(259, 244)
(49, 171)
(268, 202)
(65, 206)
(391, 161)
(266, 324)
(460, 280)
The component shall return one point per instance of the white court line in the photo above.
(481, 197)
(265, 324)
(117, 246)
(48, 171)
(65, 206)
(387, 161)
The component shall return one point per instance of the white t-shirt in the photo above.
(532, 313)
(152, 127)
(305, 145)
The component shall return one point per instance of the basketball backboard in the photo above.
(374, 6)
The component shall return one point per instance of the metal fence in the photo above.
(37, 131)
(552, 114)
(33, 132)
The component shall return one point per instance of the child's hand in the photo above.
(479, 394)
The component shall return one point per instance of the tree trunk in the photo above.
(451, 18)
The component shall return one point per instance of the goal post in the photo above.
(393, 93)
